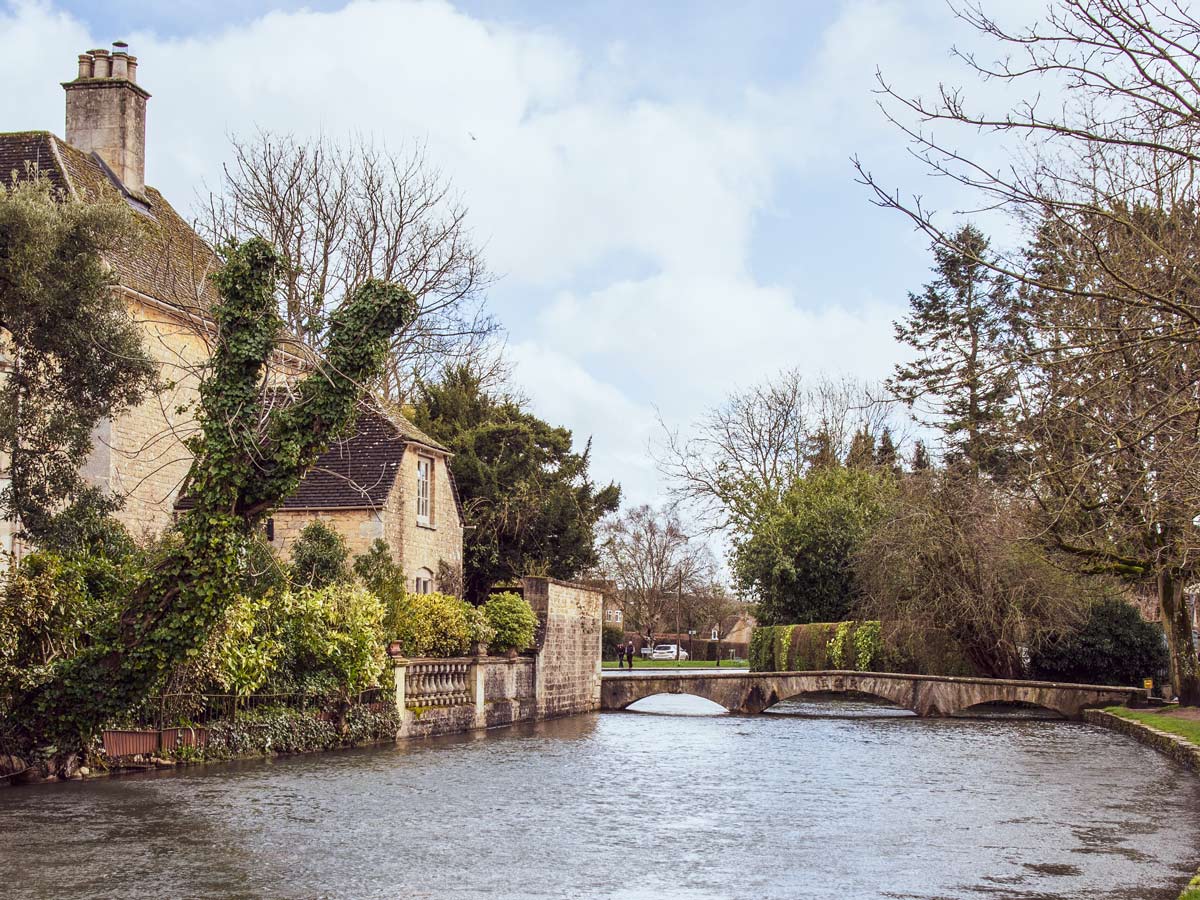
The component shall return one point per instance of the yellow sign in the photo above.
(1148, 683)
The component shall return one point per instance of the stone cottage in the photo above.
(387, 480)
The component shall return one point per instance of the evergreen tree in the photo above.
(920, 457)
(75, 355)
(862, 450)
(961, 328)
(822, 454)
(528, 499)
(887, 457)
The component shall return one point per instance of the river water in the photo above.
(631, 805)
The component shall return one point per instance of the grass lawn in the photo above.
(681, 664)
(1185, 728)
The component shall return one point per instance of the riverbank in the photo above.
(1172, 731)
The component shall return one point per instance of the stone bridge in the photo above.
(926, 695)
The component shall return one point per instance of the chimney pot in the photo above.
(106, 115)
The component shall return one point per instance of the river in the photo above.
(631, 805)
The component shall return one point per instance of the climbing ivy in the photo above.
(247, 460)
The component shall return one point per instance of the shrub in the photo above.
(438, 625)
(385, 579)
(514, 623)
(338, 632)
(51, 607)
(863, 646)
(248, 648)
(319, 556)
(613, 638)
(1114, 645)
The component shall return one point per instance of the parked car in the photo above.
(667, 651)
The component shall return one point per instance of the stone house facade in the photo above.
(164, 280)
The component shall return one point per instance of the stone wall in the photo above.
(424, 546)
(569, 643)
(358, 527)
(445, 696)
(141, 452)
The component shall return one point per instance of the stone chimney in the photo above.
(106, 114)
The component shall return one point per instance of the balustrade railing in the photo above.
(443, 682)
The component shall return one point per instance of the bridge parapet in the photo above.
(925, 695)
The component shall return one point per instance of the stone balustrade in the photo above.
(439, 682)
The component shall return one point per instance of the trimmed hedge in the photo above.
(862, 646)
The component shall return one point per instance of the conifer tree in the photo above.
(862, 450)
(887, 457)
(920, 457)
(960, 326)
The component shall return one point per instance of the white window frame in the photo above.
(423, 582)
(716, 633)
(425, 490)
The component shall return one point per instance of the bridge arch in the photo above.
(847, 692)
(718, 708)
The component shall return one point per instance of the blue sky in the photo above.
(665, 187)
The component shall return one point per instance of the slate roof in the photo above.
(359, 471)
(170, 262)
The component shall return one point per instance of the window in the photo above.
(423, 583)
(424, 489)
(716, 633)
(612, 615)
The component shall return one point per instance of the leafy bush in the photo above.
(338, 632)
(284, 730)
(1114, 645)
(385, 579)
(438, 625)
(512, 620)
(612, 639)
(319, 556)
(53, 605)
(249, 647)
(863, 646)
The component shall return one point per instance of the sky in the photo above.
(664, 188)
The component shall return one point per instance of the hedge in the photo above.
(862, 646)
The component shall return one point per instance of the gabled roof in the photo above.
(358, 471)
(169, 263)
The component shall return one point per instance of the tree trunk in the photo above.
(1177, 623)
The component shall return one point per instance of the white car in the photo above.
(667, 651)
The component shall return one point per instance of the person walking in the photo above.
(629, 654)
(620, 656)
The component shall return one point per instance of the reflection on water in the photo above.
(873, 805)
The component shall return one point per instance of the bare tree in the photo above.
(954, 559)
(344, 212)
(654, 564)
(1106, 187)
(756, 443)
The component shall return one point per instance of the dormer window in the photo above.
(424, 490)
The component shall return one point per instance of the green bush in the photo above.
(284, 730)
(862, 646)
(319, 556)
(385, 579)
(513, 622)
(612, 639)
(439, 625)
(1114, 645)
(51, 606)
(338, 632)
